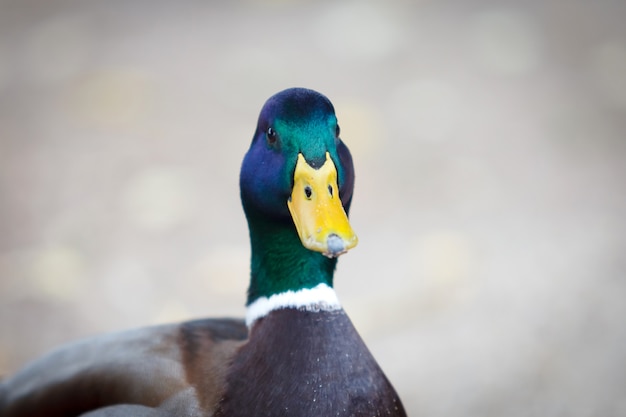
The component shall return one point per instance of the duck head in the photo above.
(297, 180)
(298, 168)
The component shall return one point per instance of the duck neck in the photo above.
(280, 264)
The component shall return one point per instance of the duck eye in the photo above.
(337, 131)
(271, 136)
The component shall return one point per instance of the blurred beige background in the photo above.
(489, 140)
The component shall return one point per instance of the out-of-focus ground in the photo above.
(489, 141)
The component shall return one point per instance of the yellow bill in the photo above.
(316, 209)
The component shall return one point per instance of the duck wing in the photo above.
(172, 368)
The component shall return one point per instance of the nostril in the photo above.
(308, 192)
(330, 190)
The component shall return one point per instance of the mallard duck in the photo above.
(296, 353)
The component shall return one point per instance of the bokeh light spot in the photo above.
(58, 272)
(159, 198)
(112, 97)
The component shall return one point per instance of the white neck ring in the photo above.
(319, 298)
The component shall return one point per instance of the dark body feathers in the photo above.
(330, 370)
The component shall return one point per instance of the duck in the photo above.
(296, 353)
